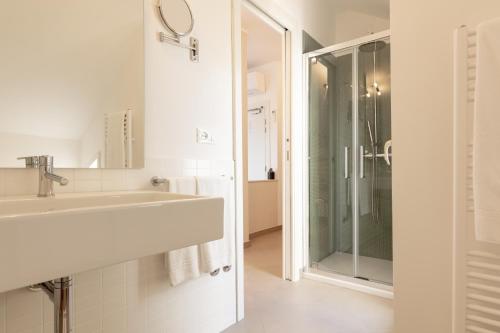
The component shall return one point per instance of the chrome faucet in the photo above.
(46, 177)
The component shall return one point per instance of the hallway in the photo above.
(274, 305)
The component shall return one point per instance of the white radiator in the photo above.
(476, 279)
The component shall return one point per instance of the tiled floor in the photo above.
(273, 305)
(372, 268)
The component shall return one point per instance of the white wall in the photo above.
(314, 16)
(422, 120)
(263, 205)
(180, 95)
(30, 145)
(330, 22)
(352, 24)
(319, 20)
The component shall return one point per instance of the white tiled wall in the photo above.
(134, 297)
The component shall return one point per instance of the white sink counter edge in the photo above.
(38, 247)
(27, 199)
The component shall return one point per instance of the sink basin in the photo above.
(46, 238)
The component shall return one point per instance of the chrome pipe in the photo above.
(63, 300)
(60, 292)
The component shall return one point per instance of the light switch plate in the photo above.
(204, 137)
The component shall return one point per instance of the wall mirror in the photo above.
(176, 16)
(72, 82)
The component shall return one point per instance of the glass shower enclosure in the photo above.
(350, 157)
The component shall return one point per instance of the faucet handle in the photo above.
(32, 162)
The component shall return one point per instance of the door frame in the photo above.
(291, 143)
(345, 281)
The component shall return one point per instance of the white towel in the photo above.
(218, 254)
(183, 264)
(487, 133)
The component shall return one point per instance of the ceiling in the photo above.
(379, 8)
(264, 41)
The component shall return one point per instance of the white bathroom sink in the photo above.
(45, 238)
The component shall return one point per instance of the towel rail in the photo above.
(257, 110)
(157, 181)
(476, 264)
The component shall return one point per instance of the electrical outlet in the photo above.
(204, 137)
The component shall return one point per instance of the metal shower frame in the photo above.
(351, 45)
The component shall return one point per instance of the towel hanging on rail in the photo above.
(486, 165)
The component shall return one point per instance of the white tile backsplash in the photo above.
(19, 181)
(114, 180)
(133, 297)
(88, 185)
(88, 174)
(24, 311)
(48, 314)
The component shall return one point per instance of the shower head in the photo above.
(372, 46)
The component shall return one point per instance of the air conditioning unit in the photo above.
(256, 83)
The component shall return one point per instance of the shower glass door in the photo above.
(330, 165)
(375, 181)
(350, 192)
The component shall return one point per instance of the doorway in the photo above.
(263, 119)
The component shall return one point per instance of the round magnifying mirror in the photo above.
(177, 16)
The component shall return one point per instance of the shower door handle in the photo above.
(346, 162)
(361, 162)
(387, 155)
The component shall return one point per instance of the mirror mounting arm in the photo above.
(193, 47)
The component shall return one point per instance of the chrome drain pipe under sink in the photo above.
(60, 292)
